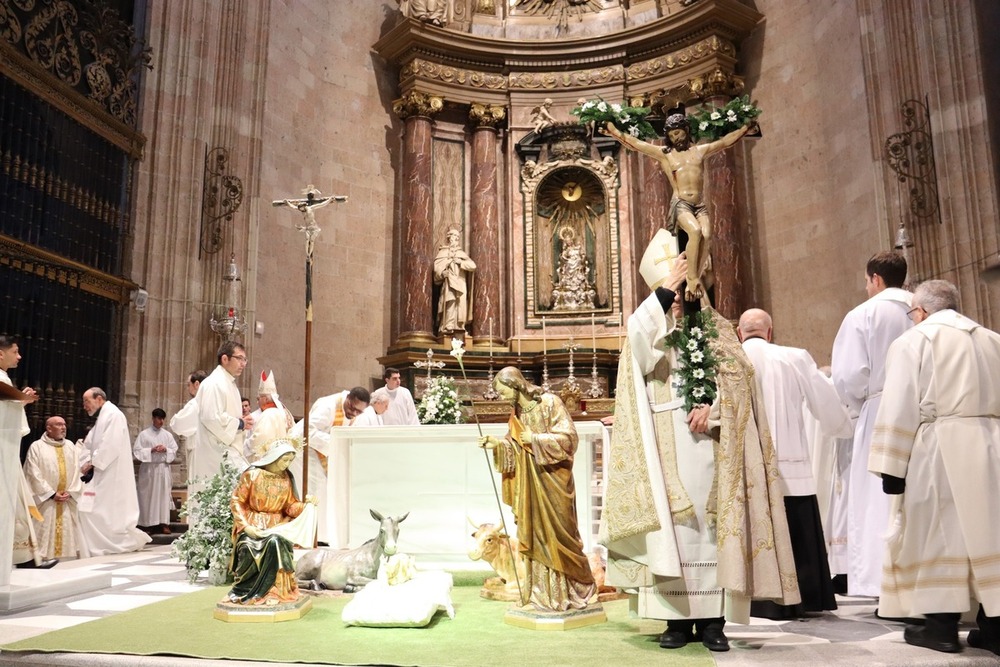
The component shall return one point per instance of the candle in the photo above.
(491, 340)
(593, 333)
(544, 345)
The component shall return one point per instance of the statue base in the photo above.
(247, 613)
(533, 619)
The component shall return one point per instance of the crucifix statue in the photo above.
(313, 199)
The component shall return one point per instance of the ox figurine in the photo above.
(349, 569)
(503, 554)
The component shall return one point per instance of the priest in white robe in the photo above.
(790, 383)
(13, 427)
(109, 505)
(936, 445)
(402, 411)
(220, 419)
(326, 413)
(858, 370)
(52, 470)
(686, 512)
(184, 423)
(155, 448)
(374, 414)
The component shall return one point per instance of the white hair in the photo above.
(935, 295)
(381, 395)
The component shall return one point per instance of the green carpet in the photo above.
(184, 626)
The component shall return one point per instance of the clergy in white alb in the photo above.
(858, 371)
(273, 423)
(693, 522)
(155, 448)
(936, 445)
(220, 418)
(326, 413)
(790, 383)
(401, 411)
(52, 470)
(374, 414)
(13, 427)
(109, 506)
(184, 423)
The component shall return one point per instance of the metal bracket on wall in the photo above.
(910, 154)
(220, 199)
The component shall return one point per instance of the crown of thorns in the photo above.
(676, 121)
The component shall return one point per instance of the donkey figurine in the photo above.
(349, 569)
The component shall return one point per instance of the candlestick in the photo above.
(491, 340)
(593, 332)
(544, 344)
(517, 332)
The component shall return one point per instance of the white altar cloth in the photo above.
(440, 476)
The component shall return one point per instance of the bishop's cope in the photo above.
(690, 496)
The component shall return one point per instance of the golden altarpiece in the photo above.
(552, 213)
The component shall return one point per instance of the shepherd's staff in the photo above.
(457, 351)
(306, 206)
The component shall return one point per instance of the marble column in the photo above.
(484, 214)
(730, 245)
(413, 284)
(653, 197)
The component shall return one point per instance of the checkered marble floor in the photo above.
(849, 636)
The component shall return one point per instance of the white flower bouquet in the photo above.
(714, 123)
(440, 403)
(628, 120)
(697, 365)
(208, 543)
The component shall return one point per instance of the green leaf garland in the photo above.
(697, 364)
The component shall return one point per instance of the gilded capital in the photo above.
(415, 103)
(487, 115)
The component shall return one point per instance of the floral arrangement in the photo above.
(629, 120)
(440, 404)
(208, 544)
(697, 363)
(714, 123)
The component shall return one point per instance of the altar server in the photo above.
(184, 423)
(155, 448)
(220, 418)
(858, 369)
(401, 411)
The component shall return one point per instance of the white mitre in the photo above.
(658, 259)
(267, 386)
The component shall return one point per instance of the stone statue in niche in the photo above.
(573, 290)
(434, 12)
(453, 271)
(572, 241)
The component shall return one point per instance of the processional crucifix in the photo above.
(313, 200)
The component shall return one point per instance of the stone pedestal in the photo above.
(533, 619)
(241, 613)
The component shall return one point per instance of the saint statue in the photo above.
(535, 460)
(541, 118)
(683, 164)
(434, 12)
(452, 270)
(268, 519)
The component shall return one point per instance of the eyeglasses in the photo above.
(239, 357)
(910, 312)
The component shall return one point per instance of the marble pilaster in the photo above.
(414, 283)
(653, 199)
(484, 216)
(730, 242)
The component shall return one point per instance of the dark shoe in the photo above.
(44, 565)
(165, 529)
(675, 638)
(840, 584)
(975, 640)
(714, 639)
(930, 636)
